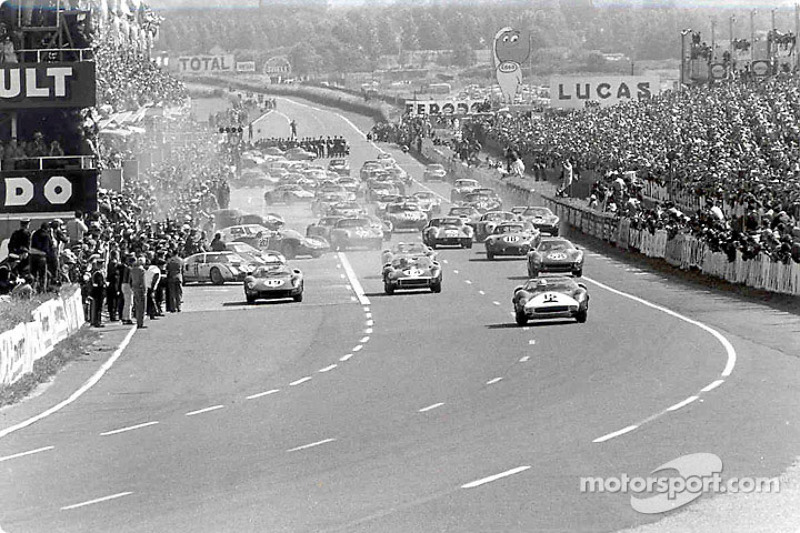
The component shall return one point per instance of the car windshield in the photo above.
(537, 212)
(553, 246)
(466, 183)
(241, 247)
(423, 195)
(477, 198)
(370, 165)
(509, 228)
(495, 216)
(551, 285)
(328, 221)
(347, 205)
(353, 223)
(458, 211)
(268, 270)
(450, 222)
(412, 262)
(409, 248)
(435, 167)
(338, 163)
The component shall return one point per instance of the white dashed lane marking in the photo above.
(496, 303)
(468, 282)
(358, 348)
(96, 500)
(262, 394)
(345, 357)
(23, 454)
(495, 477)
(129, 428)
(431, 407)
(206, 410)
(532, 342)
(327, 368)
(493, 381)
(615, 434)
(482, 293)
(364, 339)
(299, 381)
(312, 445)
(525, 359)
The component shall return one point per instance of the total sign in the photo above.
(205, 64)
(48, 191)
(575, 91)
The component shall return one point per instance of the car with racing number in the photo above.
(347, 210)
(405, 216)
(555, 254)
(467, 213)
(368, 167)
(551, 297)
(490, 220)
(272, 281)
(215, 267)
(286, 241)
(434, 172)
(356, 233)
(447, 231)
(428, 202)
(288, 193)
(407, 248)
(340, 166)
(463, 187)
(412, 272)
(482, 202)
(323, 203)
(352, 185)
(511, 238)
(253, 255)
(298, 154)
(322, 227)
(542, 219)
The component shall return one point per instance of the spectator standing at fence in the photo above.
(126, 290)
(139, 290)
(21, 238)
(41, 248)
(113, 289)
(97, 291)
(174, 283)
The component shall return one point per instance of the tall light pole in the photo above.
(752, 34)
(731, 20)
(713, 37)
(684, 33)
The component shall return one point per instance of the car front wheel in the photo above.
(581, 316)
(521, 318)
(578, 273)
(388, 288)
(436, 287)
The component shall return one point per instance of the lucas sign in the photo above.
(574, 92)
(48, 191)
(205, 64)
(27, 85)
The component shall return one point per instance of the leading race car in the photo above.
(434, 172)
(511, 238)
(555, 297)
(447, 231)
(490, 220)
(406, 215)
(542, 219)
(216, 267)
(274, 280)
(555, 254)
(253, 255)
(412, 272)
(407, 248)
(356, 232)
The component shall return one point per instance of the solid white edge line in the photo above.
(29, 452)
(206, 410)
(615, 434)
(307, 446)
(97, 500)
(129, 428)
(261, 394)
(431, 407)
(328, 368)
(345, 357)
(713, 385)
(684, 403)
(299, 381)
(91, 382)
(479, 482)
(351, 276)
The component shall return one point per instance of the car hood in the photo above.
(547, 299)
(557, 256)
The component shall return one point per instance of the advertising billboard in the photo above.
(573, 92)
(204, 64)
(47, 85)
(48, 191)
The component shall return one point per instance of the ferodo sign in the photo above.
(205, 64)
(28, 85)
(48, 191)
(443, 107)
(574, 92)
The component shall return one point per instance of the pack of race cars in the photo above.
(363, 210)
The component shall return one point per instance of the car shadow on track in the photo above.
(258, 303)
(537, 324)
(397, 294)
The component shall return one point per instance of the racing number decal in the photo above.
(550, 298)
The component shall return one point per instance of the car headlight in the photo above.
(251, 285)
(295, 282)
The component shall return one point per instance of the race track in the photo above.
(418, 412)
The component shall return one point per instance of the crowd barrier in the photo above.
(53, 321)
(683, 251)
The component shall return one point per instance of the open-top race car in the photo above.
(215, 267)
(286, 241)
(356, 232)
(555, 254)
(467, 213)
(407, 248)
(412, 272)
(428, 202)
(482, 202)
(554, 297)
(434, 172)
(490, 220)
(347, 209)
(322, 228)
(461, 188)
(542, 219)
(274, 280)
(447, 231)
(288, 193)
(340, 166)
(406, 215)
(511, 238)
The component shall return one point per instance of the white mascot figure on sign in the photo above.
(510, 51)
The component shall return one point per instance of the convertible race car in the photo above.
(322, 228)
(286, 241)
(216, 267)
(482, 202)
(542, 219)
(554, 297)
(347, 209)
(412, 272)
(288, 193)
(434, 172)
(274, 280)
(447, 231)
(409, 249)
(356, 232)
(555, 254)
(462, 187)
(490, 220)
(511, 238)
(406, 215)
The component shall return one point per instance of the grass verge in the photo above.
(16, 311)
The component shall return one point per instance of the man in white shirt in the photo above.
(76, 228)
(152, 275)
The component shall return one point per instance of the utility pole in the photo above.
(683, 79)
(796, 30)
(774, 26)
(713, 38)
(752, 34)
(731, 20)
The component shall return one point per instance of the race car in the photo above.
(271, 221)
(511, 238)
(215, 267)
(253, 255)
(384, 200)
(397, 173)
(434, 172)
(369, 166)
(347, 210)
(555, 254)
(406, 215)
(386, 158)
(542, 219)
(462, 187)
(286, 241)
(324, 202)
(429, 202)
(274, 280)
(379, 224)
(489, 220)
(555, 297)
(355, 232)
(447, 231)
(351, 185)
(298, 154)
(288, 193)
(340, 166)
(409, 249)
(412, 272)
(467, 213)
(377, 190)
(482, 202)
(322, 228)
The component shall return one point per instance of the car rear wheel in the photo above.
(436, 287)
(250, 299)
(581, 316)
(388, 288)
(298, 297)
(521, 318)
(578, 273)
(489, 255)
(216, 277)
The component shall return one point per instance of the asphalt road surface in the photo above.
(355, 411)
